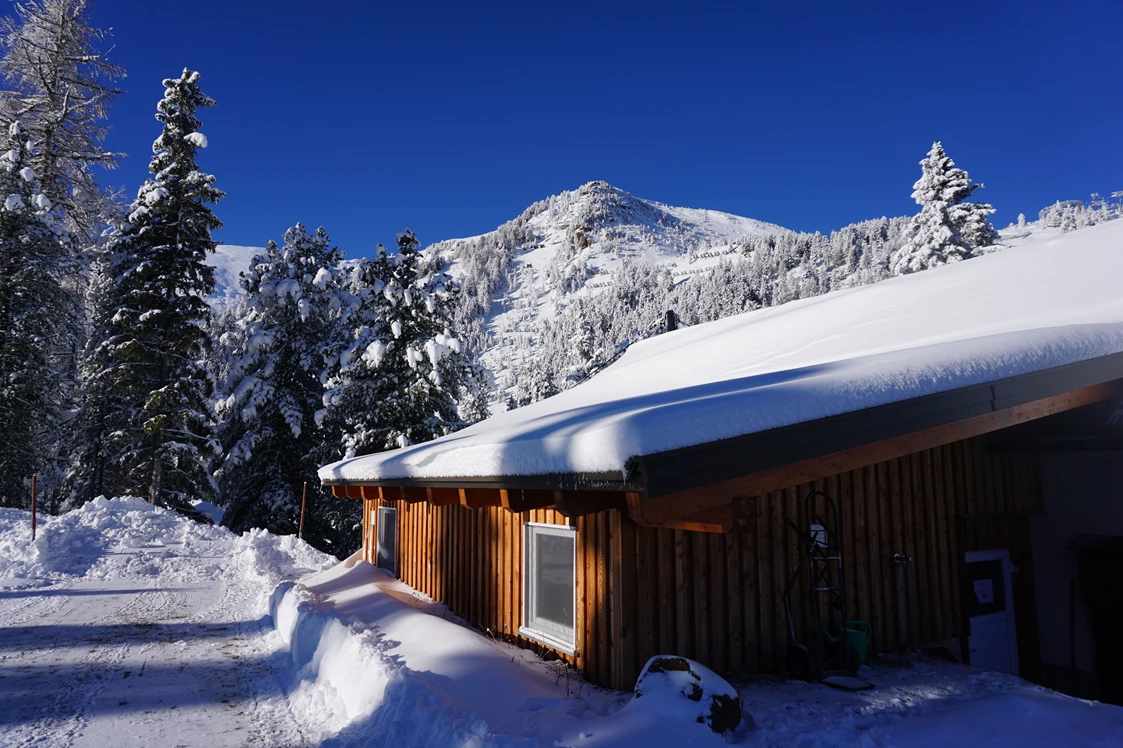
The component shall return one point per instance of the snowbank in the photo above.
(375, 661)
(129, 538)
(964, 324)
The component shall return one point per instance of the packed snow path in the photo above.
(163, 640)
(115, 662)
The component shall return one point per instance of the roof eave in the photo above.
(677, 470)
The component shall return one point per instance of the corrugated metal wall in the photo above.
(718, 598)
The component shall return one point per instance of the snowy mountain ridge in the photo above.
(567, 246)
(560, 248)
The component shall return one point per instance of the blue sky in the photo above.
(451, 118)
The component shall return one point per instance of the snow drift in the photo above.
(127, 537)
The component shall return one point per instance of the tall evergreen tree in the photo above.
(948, 228)
(281, 330)
(38, 320)
(147, 423)
(400, 373)
(59, 85)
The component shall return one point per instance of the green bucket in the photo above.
(859, 634)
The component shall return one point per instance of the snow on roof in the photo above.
(1045, 303)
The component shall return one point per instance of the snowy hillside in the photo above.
(568, 246)
(228, 261)
(562, 248)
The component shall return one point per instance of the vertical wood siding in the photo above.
(717, 598)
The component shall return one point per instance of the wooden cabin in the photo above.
(973, 519)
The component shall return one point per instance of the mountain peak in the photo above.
(568, 245)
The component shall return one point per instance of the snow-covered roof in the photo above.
(1049, 302)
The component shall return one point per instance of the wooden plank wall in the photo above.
(718, 598)
(472, 560)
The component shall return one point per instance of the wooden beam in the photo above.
(523, 500)
(414, 494)
(370, 492)
(339, 492)
(579, 503)
(676, 506)
(354, 492)
(719, 519)
(478, 498)
(443, 496)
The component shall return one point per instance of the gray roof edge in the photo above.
(689, 467)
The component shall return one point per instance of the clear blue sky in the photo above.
(451, 118)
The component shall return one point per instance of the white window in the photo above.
(549, 585)
(388, 538)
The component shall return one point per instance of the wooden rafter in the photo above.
(524, 500)
(478, 498)
(579, 503)
(443, 496)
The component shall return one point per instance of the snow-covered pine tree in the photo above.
(59, 85)
(38, 321)
(147, 422)
(282, 327)
(399, 376)
(947, 229)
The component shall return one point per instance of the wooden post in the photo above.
(34, 486)
(303, 501)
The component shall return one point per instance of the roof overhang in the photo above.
(699, 487)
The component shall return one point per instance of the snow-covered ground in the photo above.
(126, 625)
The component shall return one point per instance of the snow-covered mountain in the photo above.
(560, 248)
(228, 261)
(567, 246)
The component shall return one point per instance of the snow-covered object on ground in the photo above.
(214, 513)
(674, 685)
(1004, 314)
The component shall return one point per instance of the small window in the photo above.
(549, 587)
(388, 538)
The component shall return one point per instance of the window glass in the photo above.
(554, 576)
(387, 538)
(548, 581)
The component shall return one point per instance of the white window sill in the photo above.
(550, 641)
